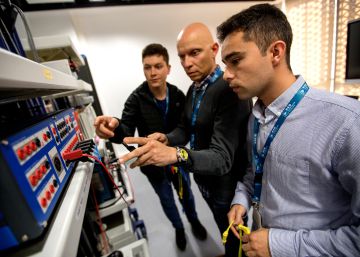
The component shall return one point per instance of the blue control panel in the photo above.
(33, 175)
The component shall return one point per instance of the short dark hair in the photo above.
(262, 24)
(156, 49)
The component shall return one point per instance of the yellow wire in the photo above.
(181, 190)
(240, 245)
(226, 233)
(245, 229)
(242, 229)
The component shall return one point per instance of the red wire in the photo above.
(106, 244)
(109, 175)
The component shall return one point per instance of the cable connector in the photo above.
(73, 155)
(130, 148)
(226, 233)
(242, 228)
(246, 230)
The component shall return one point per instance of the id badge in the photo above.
(257, 224)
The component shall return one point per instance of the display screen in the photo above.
(353, 52)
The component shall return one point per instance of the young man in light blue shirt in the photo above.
(304, 183)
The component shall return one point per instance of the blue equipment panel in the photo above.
(33, 175)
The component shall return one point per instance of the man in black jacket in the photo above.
(214, 122)
(157, 106)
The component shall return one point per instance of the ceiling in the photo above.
(39, 5)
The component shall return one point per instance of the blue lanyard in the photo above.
(167, 103)
(196, 106)
(259, 159)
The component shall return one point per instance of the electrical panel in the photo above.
(33, 175)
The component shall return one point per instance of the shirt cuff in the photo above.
(241, 199)
(282, 242)
(241, 196)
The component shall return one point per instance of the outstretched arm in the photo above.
(150, 152)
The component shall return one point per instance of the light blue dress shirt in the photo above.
(310, 197)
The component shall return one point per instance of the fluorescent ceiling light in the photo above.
(49, 1)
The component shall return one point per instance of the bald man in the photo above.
(214, 121)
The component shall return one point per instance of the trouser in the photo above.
(164, 190)
(219, 202)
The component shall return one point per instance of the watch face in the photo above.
(183, 154)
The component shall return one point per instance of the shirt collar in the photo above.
(203, 84)
(265, 114)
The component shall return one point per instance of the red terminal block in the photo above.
(43, 202)
(39, 174)
(43, 169)
(33, 146)
(27, 149)
(33, 180)
(48, 195)
(21, 154)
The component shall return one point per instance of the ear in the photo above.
(169, 69)
(215, 48)
(278, 52)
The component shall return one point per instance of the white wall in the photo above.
(112, 38)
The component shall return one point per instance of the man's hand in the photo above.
(236, 214)
(151, 152)
(159, 137)
(257, 243)
(105, 126)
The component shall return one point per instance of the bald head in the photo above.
(197, 51)
(196, 30)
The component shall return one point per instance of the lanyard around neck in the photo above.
(196, 105)
(167, 103)
(259, 158)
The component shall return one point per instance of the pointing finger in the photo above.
(136, 140)
(133, 154)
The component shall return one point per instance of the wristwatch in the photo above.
(181, 155)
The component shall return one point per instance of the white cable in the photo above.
(28, 33)
(3, 38)
(11, 39)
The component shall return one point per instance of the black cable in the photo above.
(130, 148)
